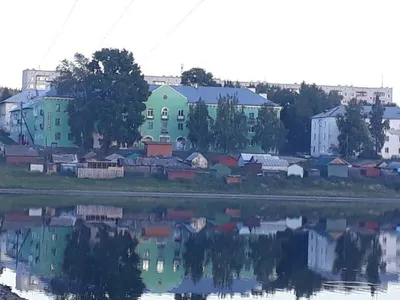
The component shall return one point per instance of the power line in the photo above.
(116, 23)
(176, 27)
(158, 43)
(54, 41)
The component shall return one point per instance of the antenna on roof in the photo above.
(181, 69)
(381, 80)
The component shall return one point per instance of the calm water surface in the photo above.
(103, 252)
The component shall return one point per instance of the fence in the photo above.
(115, 172)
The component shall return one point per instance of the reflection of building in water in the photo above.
(96, 213)
(27, 281)
(390, 243)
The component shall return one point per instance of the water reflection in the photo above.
(99, 252)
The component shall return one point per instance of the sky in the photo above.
(281, 41)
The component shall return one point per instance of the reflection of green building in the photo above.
(161, 260)
(44, 249)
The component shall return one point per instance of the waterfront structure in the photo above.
(348, 92)
(168, 106)
(43, 122)
(325, 132)
(40, 80)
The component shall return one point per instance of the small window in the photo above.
(150, 113)
(57, 136)
(386, 150)
(54, 251)
(251, 115)
(180, 126)
(146, 264)
(251, 129)
(57, 121)
(57, 107)
(150, 125)
(52, 267)
(54, 237)
(180, 112)
(160, 266)
(70, 136)
(164, 112)
(387, 138)
(313, 149)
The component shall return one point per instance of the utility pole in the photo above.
(20, 124)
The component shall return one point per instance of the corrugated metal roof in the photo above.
(390, 112)
(270, 161)
(64, 158)
(192, 156)
(210, 95)
(63, 221)
(114, 157)
(150, 161)
(25, 96)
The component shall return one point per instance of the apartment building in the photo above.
(367, 94)
(325, 133)
(33, 79)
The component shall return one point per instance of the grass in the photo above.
(207, 207)
(19, 177)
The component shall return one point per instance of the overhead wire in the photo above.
(54, 41)
(181, 21)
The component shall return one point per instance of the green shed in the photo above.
(220, 171)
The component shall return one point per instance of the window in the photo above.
(57, 121)
(57, 136)
(313, 149)
(324, 136)
(54, 237)
(386, 150)
(52, 267)
(251, 143)
(315, 136)
(387, 138)
(54, 251)
(180, 126)
(70, 136)
(251, 115)
(150, 113)
(180, 112)
(150, 125)
(146, 264)
(147, 253)
(57, 107)
(251, 129)
(160, 266)
(164, 112)
(164, 124)
(398, 253)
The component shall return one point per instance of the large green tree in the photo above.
(377, 126)
(353, 130)
(198, 76)
(199, 125)
(230, 128)
(270, 132)
(109, 92)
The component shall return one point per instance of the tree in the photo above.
(109, 92)
(198, 76)
(198, 124)
(230, 128)
(269, 130)
(377, 126)
(353, 131)
(6, 93)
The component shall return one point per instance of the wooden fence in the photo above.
(110, 173)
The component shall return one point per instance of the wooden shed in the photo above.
(19, 154)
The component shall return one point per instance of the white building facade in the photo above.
(33, 79)
(325, 133)
(321, 251)
(390, 244)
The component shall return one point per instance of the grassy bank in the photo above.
(208, 207)
(14, 177)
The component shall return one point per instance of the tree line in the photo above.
(6, 93)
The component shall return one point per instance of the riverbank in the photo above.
(7, 294)
(20, 178)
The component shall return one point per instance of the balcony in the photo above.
(181, 118)
(164, 117)
(164, 130)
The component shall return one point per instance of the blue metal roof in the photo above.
(391, 112)
(210, 95)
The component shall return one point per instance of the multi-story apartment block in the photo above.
(325, 133)
(43, 122)
(37, 79)
(168, 107)
(367, 94)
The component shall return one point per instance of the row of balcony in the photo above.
(179, 118)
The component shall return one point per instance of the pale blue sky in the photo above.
(327, 42)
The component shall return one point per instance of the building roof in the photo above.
(270, 161)
(25, 96)
(63, 221)
(54, 93)
(210, 95)
(19, 150)
(179, 214)
(64, 158)
(151, 161)
(193, 156)
(160, 231)
(339, 161)
(114, 157)
(391, 112)
(247, 156)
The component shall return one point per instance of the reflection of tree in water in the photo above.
(194, 256)
(374, 264)
(265, 252)
(107, 271)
